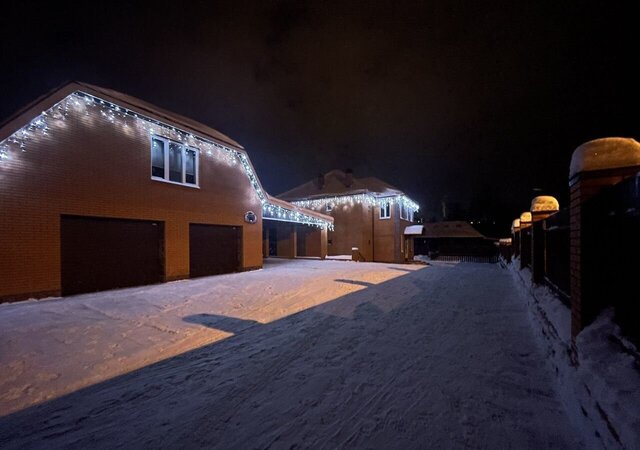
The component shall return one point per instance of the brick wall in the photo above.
(360, 226)
(88, 166)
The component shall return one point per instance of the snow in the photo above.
(598, 379)
(340, 258)
(605, 153)
(544, 203)
(303, 353)
(525, 217)
(413, 230)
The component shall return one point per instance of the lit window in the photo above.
(385, 211)
(173, 162)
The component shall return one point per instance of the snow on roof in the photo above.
(605, 153)
(336, 183)
(413, 230)
(525, 217)
(544, 203)
(454, 229)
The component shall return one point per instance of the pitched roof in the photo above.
(124, 100)
(336, 184)
(45, 102)
(453, 229)
(161, 114)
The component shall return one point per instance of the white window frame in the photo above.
(385, 207)
(410, 211)
(166, 162)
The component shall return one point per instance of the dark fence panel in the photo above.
(473, 249)
(462, 258)
(525, 247)
(556, 258)
(610, 248)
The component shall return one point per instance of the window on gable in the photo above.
(174, 162)
(385, 211)
(404, 212)
(329, 207)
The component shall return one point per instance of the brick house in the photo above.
(368, 213)
(101, 190)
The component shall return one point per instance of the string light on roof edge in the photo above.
(366, 199)
(82, 103)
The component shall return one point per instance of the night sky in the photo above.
(480, 103)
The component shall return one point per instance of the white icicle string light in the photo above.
(82, 103)
(366, 199)
(276, 212)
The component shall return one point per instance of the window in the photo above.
(173, 162)
(385, 211)
(404, 211)
(410, 215)
(329, 207)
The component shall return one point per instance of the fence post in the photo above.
(594, 166)
(525, 239)
(541, 208)
(515, 237)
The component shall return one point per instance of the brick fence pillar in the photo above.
(515, 237)
(541, 207)
(594, 166)
(525, 239)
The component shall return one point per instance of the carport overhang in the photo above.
(292, 231)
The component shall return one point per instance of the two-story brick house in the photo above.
(369, 214)
(100, 190)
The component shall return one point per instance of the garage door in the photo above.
(99, 253)
(214, 249)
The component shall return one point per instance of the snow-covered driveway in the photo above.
(304, 353)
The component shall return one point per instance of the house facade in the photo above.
(99, 190)
(369, 215)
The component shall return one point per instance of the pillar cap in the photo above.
(525, 217)
(544, 203)
(605, 153)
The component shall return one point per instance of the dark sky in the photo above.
(480, 102)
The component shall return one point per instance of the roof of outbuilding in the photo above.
(453, 229)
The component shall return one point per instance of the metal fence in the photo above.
(467, 258)
(610, 248)
(556, 253)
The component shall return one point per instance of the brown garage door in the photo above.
(99, 253)
(214, 249)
